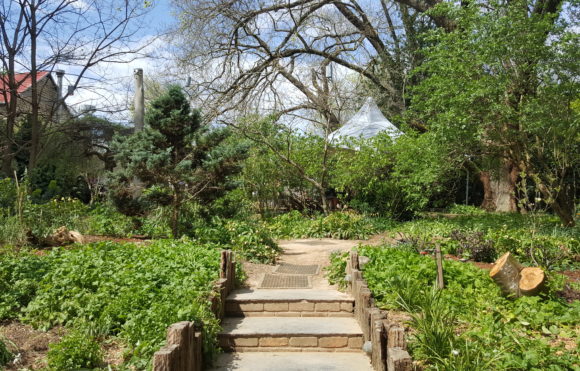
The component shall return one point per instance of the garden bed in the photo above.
(469, 323)
(111, 299)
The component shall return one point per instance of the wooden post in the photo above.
(224, 264)
(166, 358)
(181, 334)
(440, 282)
(398, 360)
(198, 351)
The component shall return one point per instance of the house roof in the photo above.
(23, 81)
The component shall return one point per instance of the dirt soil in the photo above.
(29, 345)
(91, 239)
(305, 252)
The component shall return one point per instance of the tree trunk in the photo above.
(561, 206)
(7, 153)
(499, 188)
(488, 203)
(175, 215)
(34, 120)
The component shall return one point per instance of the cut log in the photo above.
(63, 236)
(532, 281)
(506, 273)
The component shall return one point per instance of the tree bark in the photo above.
(175, 211)
(499, 188)
(488, 203)
(34, 103)
(506, 273)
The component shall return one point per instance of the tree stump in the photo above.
(506, 273)
(532, 281)
(63, 236)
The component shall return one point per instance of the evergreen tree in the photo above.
(175, 158)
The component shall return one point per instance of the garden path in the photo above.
(292, 329)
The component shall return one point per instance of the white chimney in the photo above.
(59, 76)
(139, 115)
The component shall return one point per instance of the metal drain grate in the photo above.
(279, 281)
(296, 269)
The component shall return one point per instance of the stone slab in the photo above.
(286, 326)
(305, 361)
(288, 295)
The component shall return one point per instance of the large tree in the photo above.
(500, 88)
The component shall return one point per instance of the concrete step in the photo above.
(291, 334)
(289, 303)
(306, 361)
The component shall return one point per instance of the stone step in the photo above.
(291, 334)
(289, 303)
(307, 361)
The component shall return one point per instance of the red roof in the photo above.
(23, 80)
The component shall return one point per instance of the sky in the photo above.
(109, 86)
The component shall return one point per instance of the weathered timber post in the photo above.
(180, 352)
(439, 259)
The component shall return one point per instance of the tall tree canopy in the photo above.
(500, 87)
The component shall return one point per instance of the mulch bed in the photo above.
(29, 345)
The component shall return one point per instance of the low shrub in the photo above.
(475, 246)
(41, 220)
(340, 225)
(536, 239)
(74, 352)
(105, 220)
(251, 240)
(466, 210)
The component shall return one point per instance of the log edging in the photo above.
(386, 338)
(184, 349)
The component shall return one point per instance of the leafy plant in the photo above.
(341, 225)
(5, 354)
(434, 324)
(335, 272)
(105, 220)
(469, 325)
(250, 240)
(20, 277)
(153, 285)
(74, 351)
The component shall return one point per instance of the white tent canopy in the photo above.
(365, 124)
